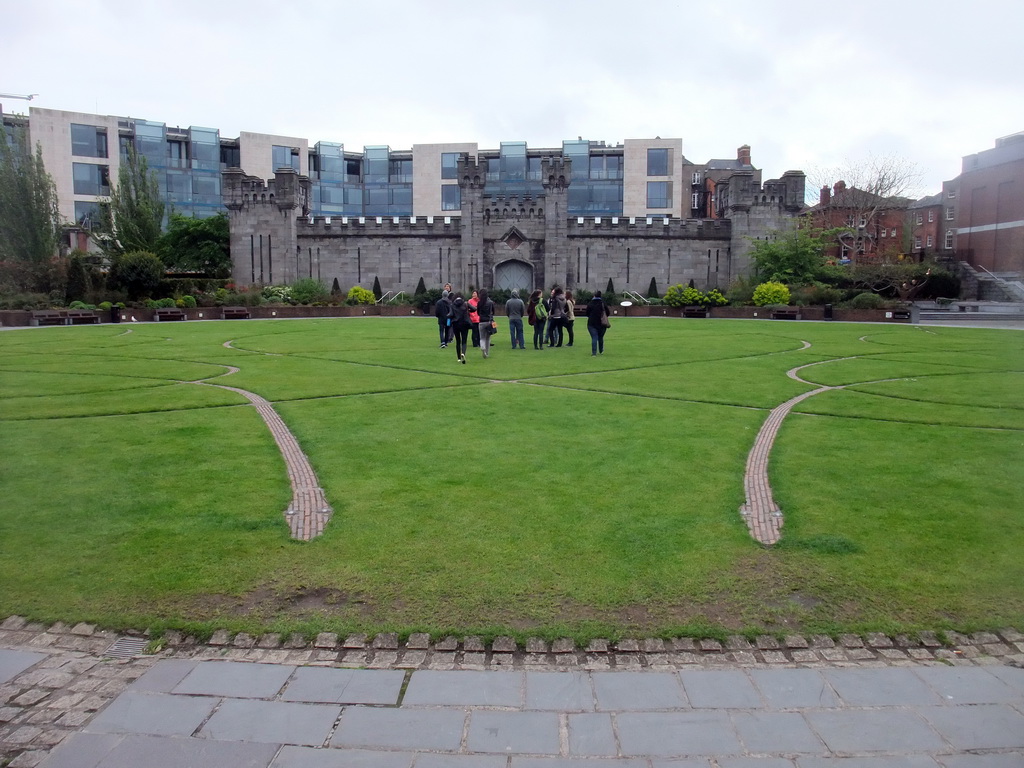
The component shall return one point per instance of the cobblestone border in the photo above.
(74, 680)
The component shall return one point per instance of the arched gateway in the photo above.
(514, 275)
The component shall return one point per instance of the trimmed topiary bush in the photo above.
(770, 293)
(359, 295)
(867, 300)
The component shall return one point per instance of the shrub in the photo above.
(80, 305)
(817, 293)
(186, 302)
(770, 293)
(867, 300)
(714, 298)
(138, 272)
(740, 292)
(421, 288)
(581, 296)
(26, 301)
(105, 306)
(652, 290)
(683, 296)
(308, 290)
(277, 294)
(359, 295)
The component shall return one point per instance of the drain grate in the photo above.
(127, 647)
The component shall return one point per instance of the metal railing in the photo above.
(389, 297)
(636, 297)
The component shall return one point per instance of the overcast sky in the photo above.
(808, 84)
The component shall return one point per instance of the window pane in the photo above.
(451, 197)
(659, 194)
(88, 141)
(657, 162)
(449, 165)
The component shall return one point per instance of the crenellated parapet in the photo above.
(512, 207)
(555, 173)
(649, 227)
(379, 226)
(287, 190)
(472, 172)
(739, 192)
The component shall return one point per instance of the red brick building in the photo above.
(985, 205)
(925, 220)
(876, 226)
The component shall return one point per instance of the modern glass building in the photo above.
(639, 177)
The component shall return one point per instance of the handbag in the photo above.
(605, 321)
(494, 328)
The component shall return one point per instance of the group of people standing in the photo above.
(553, 319)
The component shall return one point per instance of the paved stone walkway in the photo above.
(763, 516)
(309, 511)
(65, 703)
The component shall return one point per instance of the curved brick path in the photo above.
(761, 513)
(308, 512)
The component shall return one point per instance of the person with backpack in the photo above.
(474, 318)
(460, 325)
(538, 315)
(442, 309)
(485, 308)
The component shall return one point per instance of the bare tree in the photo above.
(866, 200)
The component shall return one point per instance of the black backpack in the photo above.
(442, 309)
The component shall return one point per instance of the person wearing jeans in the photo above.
(485, 308)
(597, 310)
(514, 310)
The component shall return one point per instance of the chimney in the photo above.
(824, 195)
(743, 154)
(839, 186)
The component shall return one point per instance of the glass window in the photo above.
(88, 141)
(606, 167)
(920, 219)
(513, 161)
(931, 216)
(353, 171)
(179, 187)
(375, 169)
(951, 194)
(533, 168)
(285, 157)
(449, 165)
(206, 188)
(230, 157)
(150, 143)
(892, 233)
(401, 201)
(177, 154)
(579, 153)
(400, 172)
(949, 238)
(949, 213)
(657, 162)
(659, 194)
(451, 197)
(204, 148)
(917, 243)
(87, 214)
(493, 169)
(91, 179)
(884, 231)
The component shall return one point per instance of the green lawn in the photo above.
(534, 493)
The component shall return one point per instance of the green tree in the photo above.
(309, 290)
(652, 290)
(794, 256)
(197, 245)
(30, 223)
(79, 282)
(377, 292)
(138, 272)
(134, 219)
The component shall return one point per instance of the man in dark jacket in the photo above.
(515, 309)
(442, 309)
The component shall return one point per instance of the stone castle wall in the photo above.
(273, 240)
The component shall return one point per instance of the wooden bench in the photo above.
(786, 314)
(81, 316)
(695, 312)
(167, 313)
(47, 317)
(234, 313)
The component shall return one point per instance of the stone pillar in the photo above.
(556, 173)
(472, 175)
